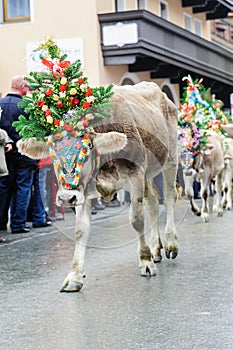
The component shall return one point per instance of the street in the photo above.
(187, 306)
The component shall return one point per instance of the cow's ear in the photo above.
(109, 142)
(209, 147)
(33, 148)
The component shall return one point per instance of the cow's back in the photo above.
(148, 118)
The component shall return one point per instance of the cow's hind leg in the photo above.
(171, 246)
(74, 280)
(152, 204)
(136, 216)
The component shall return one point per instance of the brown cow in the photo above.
(208, 163)
(135, 144)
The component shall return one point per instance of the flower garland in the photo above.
(60, 94)
(83, 150)
(189, 135)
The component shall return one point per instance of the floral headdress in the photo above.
(60, 95)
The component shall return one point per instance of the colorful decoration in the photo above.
(68, 151)
(199, 112)
(60, 94)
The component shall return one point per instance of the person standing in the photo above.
(15, 188)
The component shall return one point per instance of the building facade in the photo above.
(124, 41)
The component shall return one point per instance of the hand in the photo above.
(8, 147)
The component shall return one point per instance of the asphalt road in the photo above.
(187, 306)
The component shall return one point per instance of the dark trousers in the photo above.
(15, 190)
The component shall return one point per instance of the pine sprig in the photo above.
(60, 95)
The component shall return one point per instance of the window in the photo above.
(163, 9)
(141, 4)
(187, 22)
(120, 5)
(198, 26)
(16, 10)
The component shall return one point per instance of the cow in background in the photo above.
(227, 174)
(137, 143)
(208, 163)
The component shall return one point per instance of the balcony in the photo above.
(146, 42)
(214, 9)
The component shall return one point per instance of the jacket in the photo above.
(10, 113)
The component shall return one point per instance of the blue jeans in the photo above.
(15, 190)
(38, 208)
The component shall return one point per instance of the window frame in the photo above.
(188, 16)
(141, 4)
(121, 3)
(198, 23)
(7, 19)
(165, 3)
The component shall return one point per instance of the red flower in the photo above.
(62, 88)
(74, 101)
(89, 92)
(80, 80)
(40, 103)
(85, 122)
(64, 64)
(86, 104)
(68, 127)
(56, 122)
(59, 104)
(47, 112)
(49, 92)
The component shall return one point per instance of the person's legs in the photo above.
(7, 187)
(38, 213)
(21, 197)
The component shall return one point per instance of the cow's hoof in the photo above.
(148, 269)
(171, 253)
(157, 258)
(71, 287)
(220, 214)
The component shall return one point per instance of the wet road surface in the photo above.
(187, 306)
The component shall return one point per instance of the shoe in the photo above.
(97, 204)
(43, 224)
(113, 203)
(93, 211)
(3, 228)
(24, 229)
(2, 240)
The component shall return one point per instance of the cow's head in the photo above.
(74, 159)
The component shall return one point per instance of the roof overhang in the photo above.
(214, 9)
(146, 42)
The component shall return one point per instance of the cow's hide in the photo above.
(208, 165)
(135, 144)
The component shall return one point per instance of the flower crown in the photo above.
(59, 96)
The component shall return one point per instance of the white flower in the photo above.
(80, 125)
(62, 94)
(90, 116)
(49, 119)
(73, 91)
(83, 87)
(62, 123)
(90, 98)
(44, 108)
(63, 80)
(55, 97)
